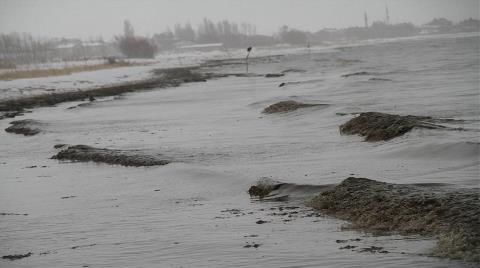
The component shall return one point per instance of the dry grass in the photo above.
(20, 74)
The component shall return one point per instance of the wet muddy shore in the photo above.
(172, 77)
(450, 215)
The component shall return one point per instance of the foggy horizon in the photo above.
(80, 20)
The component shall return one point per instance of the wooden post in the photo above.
(246, 59)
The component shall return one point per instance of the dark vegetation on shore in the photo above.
(27, 127)
(358, 74)
(10, 114)
(16, 256)
(453, 216)
(263, 189)
(273, 75)
(288, 106)
(376, 126)
(84, 153)
(164, 78)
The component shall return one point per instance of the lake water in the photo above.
(196, 212)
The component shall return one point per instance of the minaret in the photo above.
(387, 16)
(366, 19)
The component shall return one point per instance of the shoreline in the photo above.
(170, 77)
(450, 215)
(215, 134)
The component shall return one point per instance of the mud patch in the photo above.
(381, 127)
(84, 153)
(10, 114)
(237, 75)
(348, 247)
(12, 214)
(26, 127)
(252, 245)
(453, 216)
(288, 106)
(374, 249)
(274, 75)
(293, 70)
(83, 246)
(300, 82)
(17, 256)
(379, 79)
(358, 74)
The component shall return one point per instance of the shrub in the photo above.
(136, 47)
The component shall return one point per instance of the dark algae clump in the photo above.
(84, 153)
(273, 75)
(357, 74)
(287, 106)
(27, 127)
(17, 256)
(376, 126)
(452, 216)
(264, 187)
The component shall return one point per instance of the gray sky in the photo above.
(93, 18)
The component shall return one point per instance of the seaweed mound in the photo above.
(264, 187)
(357, 74)
(287, 106)
(272, 75)
(27, 127)
(379, 126)
(9, 114)
(84, 153)
(293, 70)
(379, 79)
(17, 256)
(453, 216)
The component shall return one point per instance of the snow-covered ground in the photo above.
(92, 79)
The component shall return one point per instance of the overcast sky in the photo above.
(93, 18)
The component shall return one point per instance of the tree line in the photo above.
(22, 48)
